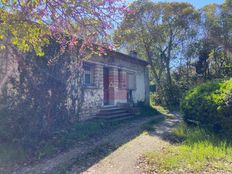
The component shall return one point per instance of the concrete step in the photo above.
(114, 112)
(120, 118)
(110, 112)
(114, 116)
(111, 108)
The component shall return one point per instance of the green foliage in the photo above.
(9, 155)
(62, 139)
(192, 134)
(200, 149)
(210, 105)
(145, 110)
(157, 32)
(167, 96)
(23, 34)
(150, 126)
(65, 138)
(35, 104)
(28, 25)
(165, 34)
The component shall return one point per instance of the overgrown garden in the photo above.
(189, 52)
(190, 56)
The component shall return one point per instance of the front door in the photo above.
(106, 85)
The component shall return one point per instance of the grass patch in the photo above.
(199, 151)
(150, 126)
(80, 131)
(147, 111)
(62, 140)
(162, 109)
(11, 154)
(165, 111)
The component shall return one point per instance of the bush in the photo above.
(168, 96)
(210, 104)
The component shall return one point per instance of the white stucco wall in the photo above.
(93, 98)
(141, 84)
(139, 93)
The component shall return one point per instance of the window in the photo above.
(131, 81)
(88, 74)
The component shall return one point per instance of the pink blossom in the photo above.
(71, 19)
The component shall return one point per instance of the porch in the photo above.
(113, 84)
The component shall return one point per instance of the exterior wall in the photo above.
(94, 96)
(8, 66)
(139, 93)
(147, 86)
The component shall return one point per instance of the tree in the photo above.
(216, 24)
(46, 93)
(29, 24)
(158, 31)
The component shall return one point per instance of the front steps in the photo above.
(114, 113)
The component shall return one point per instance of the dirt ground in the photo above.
(116, 153)
(124, 160)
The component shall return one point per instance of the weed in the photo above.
(199, 150)
(150, 126)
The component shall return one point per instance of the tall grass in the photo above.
(199, 150)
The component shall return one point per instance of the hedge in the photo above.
(210, 105)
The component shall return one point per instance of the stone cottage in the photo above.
(110, 82)
(114, 80)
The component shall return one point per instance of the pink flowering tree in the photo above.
(29, 24)
(28, 29)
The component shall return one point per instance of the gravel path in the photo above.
(84, 154)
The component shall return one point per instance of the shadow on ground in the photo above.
(122, 135)
(89, 152)
(164, 130)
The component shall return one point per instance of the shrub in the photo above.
(168, 96)
(210, 104)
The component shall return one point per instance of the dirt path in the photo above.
(116, 153)
(83, 153)
(124, 159)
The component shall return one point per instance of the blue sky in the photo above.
(196, 3)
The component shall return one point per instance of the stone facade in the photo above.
(119, 67)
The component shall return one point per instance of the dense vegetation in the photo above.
(185, 46)
(189, 52)
(190, 57)
(34, 100)
(210, 105)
